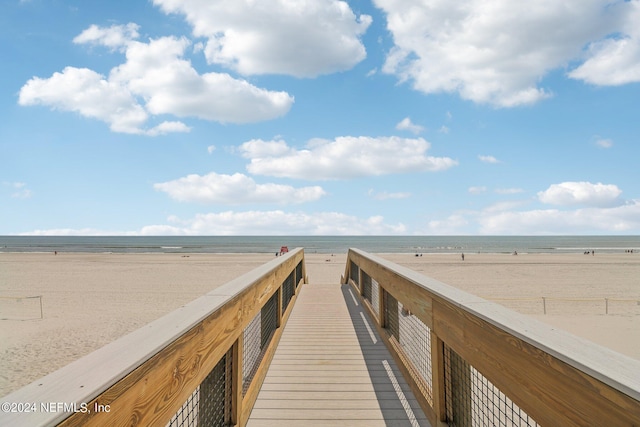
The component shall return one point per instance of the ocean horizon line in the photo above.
(320, 244)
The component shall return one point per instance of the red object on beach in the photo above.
(284, 249)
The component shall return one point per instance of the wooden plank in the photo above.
(548, 389)
(346, 415)
(145, 376)
(619, 372)
(347, 402)
(258, 379)
(554, 376)
(417, 299)
(317, 377)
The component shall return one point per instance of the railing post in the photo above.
(279, 304)
(381, 306)
(437, 377)
(236, 380)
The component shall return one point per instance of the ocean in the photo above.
(320, 244)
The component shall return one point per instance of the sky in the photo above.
(319, 117)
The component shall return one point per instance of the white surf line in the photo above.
(355, 301)
(400, 394)
(366, 323)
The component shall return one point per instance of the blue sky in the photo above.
(197, 117)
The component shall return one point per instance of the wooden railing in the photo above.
(168, 371)
(473, 362)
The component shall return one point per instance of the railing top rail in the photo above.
(89, 376)
(614, 369)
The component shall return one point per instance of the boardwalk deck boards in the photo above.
(327, 370)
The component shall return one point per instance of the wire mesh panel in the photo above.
(354, 271)
(472, 400)
(288, 289)
(375, 296)
(415, 341)
(210, 403)
(257, 336)
(269, 321)
(366, 286)
(251, 350)
(187, 415)
(392, 323)
(215, 395)
(298, 273)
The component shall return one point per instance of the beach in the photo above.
(91, 299)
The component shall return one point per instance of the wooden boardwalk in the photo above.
(332, 369)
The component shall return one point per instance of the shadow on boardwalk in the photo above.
(328, 370)
(397, 403)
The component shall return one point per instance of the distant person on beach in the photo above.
(463, 256)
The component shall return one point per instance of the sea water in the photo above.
(321, 244)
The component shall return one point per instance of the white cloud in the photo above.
(345, 157)
(617, 219)
(604, 143)
(581, 193)
(157, 72)
(509, 218)
(407, 124)
(497, 51)
(76, 232)
(19, 190)
(384, 195)
(275, 223)
(303, 39)
(257, 148)
(454, 224)
(488, 159)
(234, 190)
(155, 80)
(86, 92)
(115, 37)
(477, 190)
(509, 190)
(168, 127)
(616, 60)
(211, 149)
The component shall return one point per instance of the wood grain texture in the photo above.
(146, 376)
(557, 378)
(328, 371)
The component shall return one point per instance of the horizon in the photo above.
(170, 118)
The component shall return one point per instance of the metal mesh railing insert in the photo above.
(298, 273)
(392, 323)
(288, 289)
(257, 336)
(354, 272)
(210, 402)
(472, 400)
(366, 286)
(375, 296)
(413, 338)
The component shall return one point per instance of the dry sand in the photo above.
(92, 299)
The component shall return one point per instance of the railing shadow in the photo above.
(396, 400)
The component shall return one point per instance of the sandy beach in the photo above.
(89, 300)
